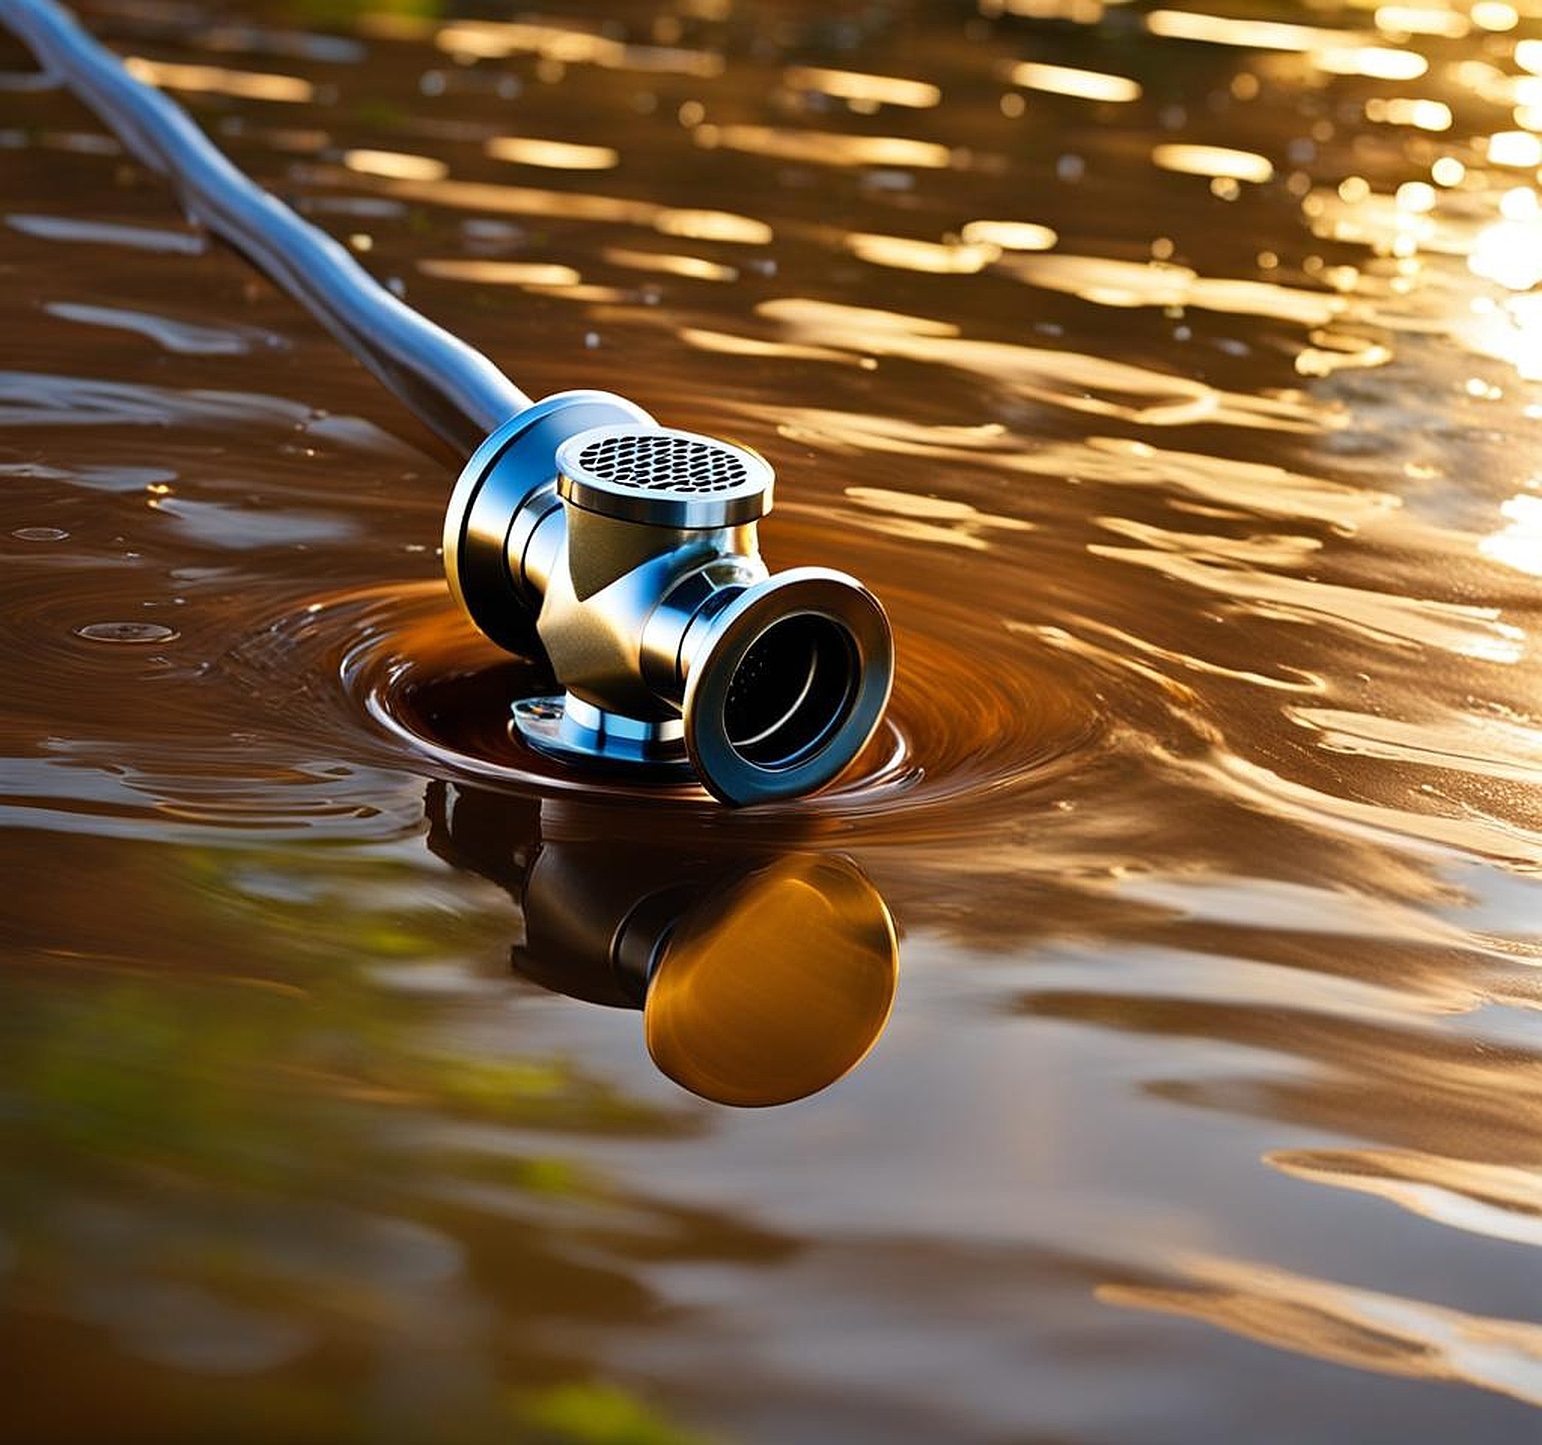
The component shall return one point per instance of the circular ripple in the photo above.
(136, 633)
(967, 731)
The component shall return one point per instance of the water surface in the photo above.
(1172, 377)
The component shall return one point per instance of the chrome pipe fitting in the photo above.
(627, 552)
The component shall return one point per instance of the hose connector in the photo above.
(627, 552)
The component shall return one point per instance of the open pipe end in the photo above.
(788, 686)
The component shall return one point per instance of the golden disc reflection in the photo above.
(775, 987)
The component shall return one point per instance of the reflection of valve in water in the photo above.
(761, 978)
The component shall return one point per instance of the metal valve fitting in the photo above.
(627, 552)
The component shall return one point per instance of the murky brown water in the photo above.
(1184, 414)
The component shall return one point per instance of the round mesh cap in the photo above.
(667, 477)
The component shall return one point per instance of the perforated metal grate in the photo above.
(659, 462)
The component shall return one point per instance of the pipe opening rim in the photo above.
(789, 687)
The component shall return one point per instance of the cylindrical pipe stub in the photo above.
(785, 685)
(663, 477)
(508, 471)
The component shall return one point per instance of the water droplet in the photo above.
(127, 632)
(40, 534)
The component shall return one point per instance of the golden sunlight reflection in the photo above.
(1519, 543)
(1083, 84)
(1473, 831)
(1509, 252)
(963, 259)
(396, 164)
(1431, 115)
(551, 154)
(860, 324)
(1390, 617)
(519, 200)
(863, 89)
(1515, 149)
(932, 519)
(1374, 62)
(215, 80)
(1332, 351)
(1219, 162)
(1510, 331)
(694, 268)
(727, 344)
(1520, 203)
(1402, 22)
(496, 40)
(1390, 225)
(1265, 490)
(584, 293)
(1496, 86)
(500, 273)
(818, 147)
(1481, 746)
(1074, 12)
(531, 201)
(1386, 1334)
(1147, 283)
(696, 225)
(1009, 235)
(1245, 34)
(1417, 197)
(1495, 15)
(1091, 384)
(1496, 1200)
